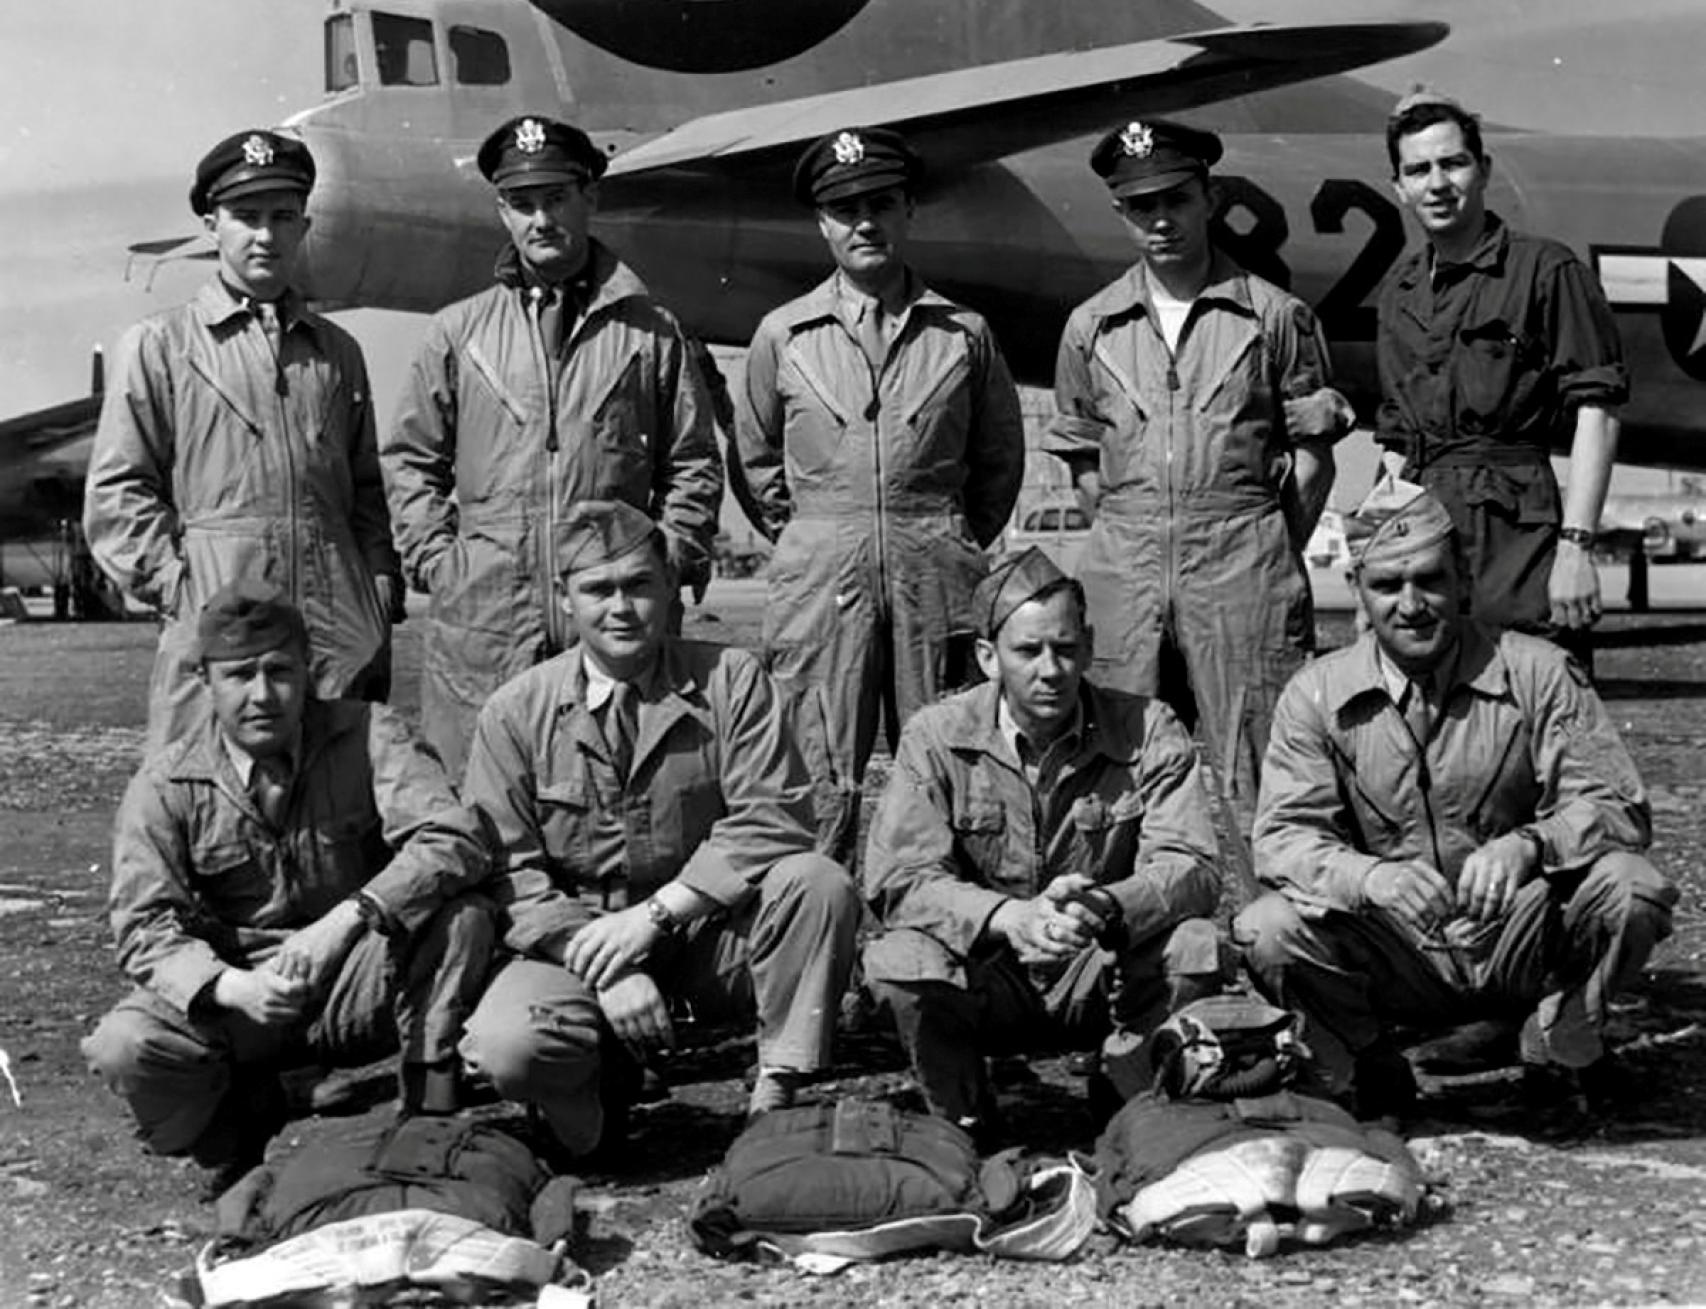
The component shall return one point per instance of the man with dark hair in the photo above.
(1042, 861)
(879, 445)
(1195, 414)
(236, 440)
(656, 831)
(1496, 347)
(1453, 829)
(291, 884)
(564, 382)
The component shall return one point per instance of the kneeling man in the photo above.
(1454, 830)
(291, 884)
(1042, 861)
(656, 829)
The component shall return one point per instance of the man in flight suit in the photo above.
(1453, 829)
(291, 884)
(1195, 415)
(656, 831)
(879, 445)
(564, 382)
(1495, 347)
(1042, 861)
(236, 440)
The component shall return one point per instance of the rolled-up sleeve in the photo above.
(1587, 355)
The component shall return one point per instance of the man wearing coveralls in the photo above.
(291, 884)
(1194, 412)
(1042, 861)
(566, 381)
(236, 440)
(879, 445)
(655, 827)
(1453, 828)
(1494, 348)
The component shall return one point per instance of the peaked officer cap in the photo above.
(535, 151)
(854, 161)
(1153, 154)
(247, 162)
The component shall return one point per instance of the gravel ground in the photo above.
(1526, 1215)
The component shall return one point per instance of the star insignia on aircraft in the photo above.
(530, 136)
(1672, 285)
(1137, 140)
(257, 151)
(849, 149)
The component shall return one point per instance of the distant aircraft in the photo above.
(704, 104)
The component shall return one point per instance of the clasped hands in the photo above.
(1057, 924)
(1487, 885)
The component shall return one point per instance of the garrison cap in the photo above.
(854, 161)
(598, 532)
(535, 151)
(247, 162)
(1011, 582)
(248, 617)
(1149, 155)
(1396, 520)
(1421, 94)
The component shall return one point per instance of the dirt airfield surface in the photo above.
(1525, 1213)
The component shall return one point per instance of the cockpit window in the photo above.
(480, 58)
(341, 69)
(403, 47)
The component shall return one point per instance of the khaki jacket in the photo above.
(1519, 738)
(202, 881)
(716, 793)
(959, 829)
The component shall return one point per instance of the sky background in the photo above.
(105, 106)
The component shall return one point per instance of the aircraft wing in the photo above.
(970, 116)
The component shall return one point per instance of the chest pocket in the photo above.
(1099, 837)
(980, 838)
(622, 413)
(345, 852)
(1498, 369)
(233, 879)
(568, 805)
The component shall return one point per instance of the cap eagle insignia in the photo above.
(257, 151)
(1137, 140)
(530, 136)
(849, 149)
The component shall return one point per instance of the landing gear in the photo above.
(1640, 598)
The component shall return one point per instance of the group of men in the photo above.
(604, 828)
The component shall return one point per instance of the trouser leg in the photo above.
(788, 957)
(1570, 944)
(1349, 975)
(196, 1086)
(535, 1035)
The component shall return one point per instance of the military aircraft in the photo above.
(703, 105)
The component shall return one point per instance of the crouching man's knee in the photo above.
(1623, 891)
(1269, 933)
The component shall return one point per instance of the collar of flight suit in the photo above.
(201, 754)
(1128, 295)
(216, 304)
(1488, 255)
(1479, 665)
(607, 278)
(974, 724)
(825, 300)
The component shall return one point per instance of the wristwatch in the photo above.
(371, 912)
(1581, 536)
(1533, 838)
(665, 921)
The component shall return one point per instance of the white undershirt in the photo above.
(1169, 313)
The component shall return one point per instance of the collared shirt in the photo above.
(243, 763)
(1500, 349)
(1040, 766)
(1522, 741)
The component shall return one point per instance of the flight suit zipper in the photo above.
(281, 393)
(874, 413)
(547, 366)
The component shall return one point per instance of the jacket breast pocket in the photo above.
(980, 835)
(622, 422)
(1497, 368)
(567, 806)
(232, 879)
(347, 851)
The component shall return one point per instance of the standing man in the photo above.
(1454, 830)
(237, 441)
(564, 382)
(1195, 415)
(1042, 862)
(879, 445)
(656, 831)
(1496, 347)
(291, 884)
